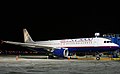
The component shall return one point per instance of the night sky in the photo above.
(57, 23)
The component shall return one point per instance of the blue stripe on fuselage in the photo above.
(83, 49)
(91, 49)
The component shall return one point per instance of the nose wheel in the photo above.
(97, 58)
(98, 55)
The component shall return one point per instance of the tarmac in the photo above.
(16, 65)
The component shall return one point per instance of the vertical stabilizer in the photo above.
(27, 37)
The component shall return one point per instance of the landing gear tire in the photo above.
(50, 57)
(97, 58)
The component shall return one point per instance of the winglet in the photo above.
(1, 41)
(27, 37)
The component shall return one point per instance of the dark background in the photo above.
(57, 22)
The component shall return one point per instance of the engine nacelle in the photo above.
(61, 52)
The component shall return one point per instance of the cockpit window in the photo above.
(107, 42)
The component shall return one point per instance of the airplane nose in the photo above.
(117, 45)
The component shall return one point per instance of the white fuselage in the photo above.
(80, 42)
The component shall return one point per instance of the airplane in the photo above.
(63, 47)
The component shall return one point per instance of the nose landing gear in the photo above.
(98, 55)
(97, 58)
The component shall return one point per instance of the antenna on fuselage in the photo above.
(97, 34)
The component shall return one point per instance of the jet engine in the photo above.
(61, 52)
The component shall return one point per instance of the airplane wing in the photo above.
(31, 45)
(28, 42)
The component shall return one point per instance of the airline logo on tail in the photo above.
(27, 37)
